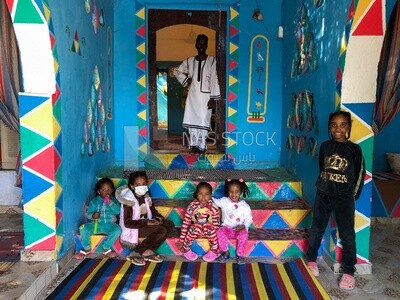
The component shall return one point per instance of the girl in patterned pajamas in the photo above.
(236, 218)
(201, 220)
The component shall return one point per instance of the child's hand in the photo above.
(153, 222)
(95, 215)
(240, 227)
(160, 219)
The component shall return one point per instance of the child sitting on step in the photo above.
(140, 219)
(102, 211)
(201, 220)
(236, 218)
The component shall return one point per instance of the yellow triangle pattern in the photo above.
(343, 45)
(95, 240)
(59, 241)
(359, 129)
(142, 48)
(337, 100)
(171, 186)
(231, 142)
(140, 13)
(142, 81)
(360, 221)
(143, 148)
(292, 217)
(46, 12)
(214, 159)
(163, 159)
(39, 119)
(43, 208)
(168, 158)
(296, 186)
(231, 111)
(232, 80)
(57, 190)
(232, 48)
(55, 66)
(234, 13)
(164, 210)
(277, 247)
(361, 9)
(143, 114)
(56, 128)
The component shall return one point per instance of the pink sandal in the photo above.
(347, 282)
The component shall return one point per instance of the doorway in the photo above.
(167, 103)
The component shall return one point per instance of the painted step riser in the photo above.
(170, 189)
(260, 248)
(272, 219)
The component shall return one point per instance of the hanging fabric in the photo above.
(387, 102)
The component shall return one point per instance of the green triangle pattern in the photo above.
(203, 164)
(34, 229)
(185, 191)
(306, 222)
(175, 217)
(292, 251)
(367, 147)
(31, 142)
(363, 238)
(27, 13)
(57, 111)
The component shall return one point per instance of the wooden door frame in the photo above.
(215, 20)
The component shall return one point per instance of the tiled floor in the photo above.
(26, 279)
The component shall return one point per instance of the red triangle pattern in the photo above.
(52, 41)
(56, 95)
(143, 131)
(371, 23)
(269, 188)
(396, 211)
(338, 254)
(59, 215)
(233, 31)
(142, 65)
(190, 159)
(10, 4)
(142, 98)
(351, 12)
(141, 31)
(231, 96)
(48, 244)
(302, 244)
(45, 163)
(232, 64)
(338, 75)
(260, 217)
(231, 127)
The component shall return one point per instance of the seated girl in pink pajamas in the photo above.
(201, 220)
(236, 218)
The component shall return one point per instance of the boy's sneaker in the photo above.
(210, 256)
(240, 260)
(190, 255)
(312, 265)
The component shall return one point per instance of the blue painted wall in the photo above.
(76, 77)
(327, 24)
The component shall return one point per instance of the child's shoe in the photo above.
(190, 255)
(240, 260)
(312, 265)
(210, 256)
(347, 282)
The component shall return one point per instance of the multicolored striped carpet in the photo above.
(117, 279)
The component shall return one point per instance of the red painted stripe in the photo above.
(167, 278)
(138, 279)
(101, 291)
(282, 288)
(224, 295)
(252, 282)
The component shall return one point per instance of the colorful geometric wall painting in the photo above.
(258, 80)
(304, 57)
(95, 136)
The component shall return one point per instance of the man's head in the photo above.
(201, 43)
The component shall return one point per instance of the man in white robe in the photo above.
(200, 73)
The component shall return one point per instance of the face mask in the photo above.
(141, 190)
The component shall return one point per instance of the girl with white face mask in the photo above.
(140, 219)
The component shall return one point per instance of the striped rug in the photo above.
(117, 279)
